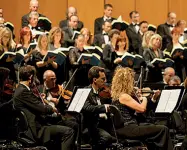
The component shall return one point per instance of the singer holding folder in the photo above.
(124, 99)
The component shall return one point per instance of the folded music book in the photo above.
(167, 62)
(94, 49)
(120, 24)
(75, 35)
(92, 59)
(152, 27)
(32, 46)
(44, 23)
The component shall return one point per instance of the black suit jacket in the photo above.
(64, 23)
(91, 110)
(34, 110)
(164, 31)
(135, 40)
(25, 19)
(99, 40)
(68, 37)
(98, 25)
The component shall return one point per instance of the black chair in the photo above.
(4, 72)
(24, 134)
(117, 122)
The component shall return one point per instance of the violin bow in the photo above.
(68, 83)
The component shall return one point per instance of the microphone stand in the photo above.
(140, 78)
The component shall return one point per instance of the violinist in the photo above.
(124, 99)
(36, 113)
(94, 109)
(49, 78)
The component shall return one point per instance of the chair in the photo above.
(117, 122)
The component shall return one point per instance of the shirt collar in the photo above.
(105, 18)
(25, 86)
(94, 91)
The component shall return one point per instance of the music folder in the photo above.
(170, 100)
(78, 99)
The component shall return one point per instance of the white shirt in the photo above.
(136, 26)
(106, 18)
(106, 38)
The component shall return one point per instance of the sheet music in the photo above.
(79, 99)
(168, 101)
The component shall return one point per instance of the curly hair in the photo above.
(122, 82)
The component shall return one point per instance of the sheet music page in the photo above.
(168, 100)
(79, 99)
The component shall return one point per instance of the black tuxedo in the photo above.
(25, 19)
(135, 40)
(35, 112)
(99, 40)
(164, 31)
(98, 25)
(64, 23)
(91, 111)
(68, 36)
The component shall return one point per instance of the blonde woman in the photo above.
(42, 50)
(7, 45)
(87, 36)
(56, 38)
(155, 71)
(124, 99)
(146, 38)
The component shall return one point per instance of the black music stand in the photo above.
(75, 106)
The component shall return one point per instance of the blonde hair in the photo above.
(154, 37)
(39, 41)
(11, 44)
(52, 33)
(147, 35)
(122, 82)
(89, 34)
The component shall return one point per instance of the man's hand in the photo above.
(54, 100)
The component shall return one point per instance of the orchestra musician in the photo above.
(34, 109)
(95, 108)
(123, 98)
(52, 93)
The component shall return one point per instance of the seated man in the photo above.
(65, 23)
(93, 109)
(174, 81)
(52, 92)
(168, 73)
(35, 111)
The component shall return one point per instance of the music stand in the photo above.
(75, 106)
(170, 100)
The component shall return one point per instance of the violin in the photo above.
(58, 90)
(105, 92)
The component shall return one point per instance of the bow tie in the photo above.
(105, 33)
(32, 28)
(169, 25)
(136, 24)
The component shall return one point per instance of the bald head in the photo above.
(34, 4)
(49, 78)
(171, 18)
(168, 73)
(71, 11)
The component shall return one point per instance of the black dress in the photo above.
(37, 56)
(150, 133)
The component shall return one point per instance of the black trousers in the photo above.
(155, 134)
(100, 138)
(61, 135)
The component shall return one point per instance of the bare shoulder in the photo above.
(124, 98)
